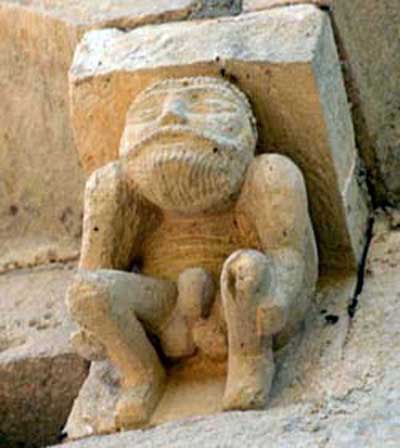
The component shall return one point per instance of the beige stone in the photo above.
(40, 375)
(371, 68)
(343, 390)
(259, 5)
(118, 13)
(91, 416)
(41, 182)
(368, 37)
(284, 59)
(187, 160)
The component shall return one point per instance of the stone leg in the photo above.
(252, 318)
(111, 305)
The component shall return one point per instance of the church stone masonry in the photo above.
(221, 167)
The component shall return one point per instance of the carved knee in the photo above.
(245, 274)
(87, 299)
(248, 281)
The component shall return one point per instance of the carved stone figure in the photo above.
(192, 240)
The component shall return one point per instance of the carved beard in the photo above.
(184, 174)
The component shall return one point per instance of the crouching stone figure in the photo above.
(192, 240)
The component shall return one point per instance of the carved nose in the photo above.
(174, 113)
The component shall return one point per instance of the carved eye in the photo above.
(146, 114)
(211, 105)
(148, 110)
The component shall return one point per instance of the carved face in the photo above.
(188, 142)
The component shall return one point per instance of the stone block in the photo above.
(367, 33)
(284, 59)
(371, 67)
(41, 181)
(119, 13)
(218, 8)
(40, 375)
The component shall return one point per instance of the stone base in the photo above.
(191, 390)
(195, 388)
(341, 390)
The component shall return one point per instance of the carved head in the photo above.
(187, 143)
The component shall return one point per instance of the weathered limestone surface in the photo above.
(40, 375)
(360, 384)
(369, 34)
(303, 373)
(284, 59)
(121, 13)
(41, 182)
(259, 5)
(217, 8)
(191, 200)
(371, 66)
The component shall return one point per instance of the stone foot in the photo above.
(249, 382)
(136, 405)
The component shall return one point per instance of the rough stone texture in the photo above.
(259, 5)
(284, 59)
(41, 183)
(372, 66)
(357, 396)
(93, 411)
(118, 13)
(40, 375)
(217, 8)
(303, 373)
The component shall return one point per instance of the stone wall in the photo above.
(369, 38)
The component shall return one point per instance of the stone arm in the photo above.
(273, 204)
(114, 219)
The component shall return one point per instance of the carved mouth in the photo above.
(177, 135)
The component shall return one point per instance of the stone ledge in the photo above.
(118, 13)
(259, 5)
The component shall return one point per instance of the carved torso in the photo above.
(197, 241)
